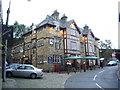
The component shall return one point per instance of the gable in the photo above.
(91, 36)
(72, 25)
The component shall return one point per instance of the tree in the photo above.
(106, 45)
(19, 29)
(105, 49)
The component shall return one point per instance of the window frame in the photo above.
(56, 59)
(72, 46)
(58, 43)
(40, 43)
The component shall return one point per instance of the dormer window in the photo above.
(56, 28)
(73, 25)
(51, 28)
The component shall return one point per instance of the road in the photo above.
(99, 78)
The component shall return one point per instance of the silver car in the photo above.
(24, 70)
(112, 63)
(13, 65)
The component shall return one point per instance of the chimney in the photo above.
(85, 27)
(56, 15)
(64, 18)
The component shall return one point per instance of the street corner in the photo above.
(9, 83)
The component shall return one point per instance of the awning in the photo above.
(73, 58)
(91, 57)
(113, 58)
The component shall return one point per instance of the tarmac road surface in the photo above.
(99, 78)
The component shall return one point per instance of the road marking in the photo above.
(101, 71)
(99, 86)
(95, 77)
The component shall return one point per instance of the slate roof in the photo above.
(28, 32)
(48, 20)
(86, 31)
(52, 21)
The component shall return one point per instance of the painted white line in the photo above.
(101, 71)
(99, 86)
(95, 77)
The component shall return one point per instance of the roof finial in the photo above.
(63, 14)
(55, 10)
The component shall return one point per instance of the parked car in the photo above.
(24, 70)
(112, 63)
(13, 65)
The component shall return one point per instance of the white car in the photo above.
(24, 70)
(112, 63)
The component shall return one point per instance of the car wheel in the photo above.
(9, 74)
(33, 76)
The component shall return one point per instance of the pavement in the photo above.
(57, 82)
(50, 80)
(118, 72)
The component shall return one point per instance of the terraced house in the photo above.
(54, 39)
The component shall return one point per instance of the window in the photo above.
(57, 43)
(17, 50)
(73, 32)
(40, 59)
(20, 67)
(27, 46)
(73, 25)
(34, 44)
(91, 47)
(40, 43)
(51, 28)
(56, 58)
(73, 45)
(29, 68)
(33, 51)
(82, 47)
(95, 49)
(57, 28)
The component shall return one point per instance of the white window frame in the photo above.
(58, 43)
(40, 59)
(73, 45)
(56, 58)
(73, 32)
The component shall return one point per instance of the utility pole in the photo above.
(8, 12)
(4, 62)
(5, 42)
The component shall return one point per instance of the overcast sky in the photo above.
(100, 15)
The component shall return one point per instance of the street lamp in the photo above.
(85, 39)
(23, 58)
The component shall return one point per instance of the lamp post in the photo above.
(84, 38)
(23, 58)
